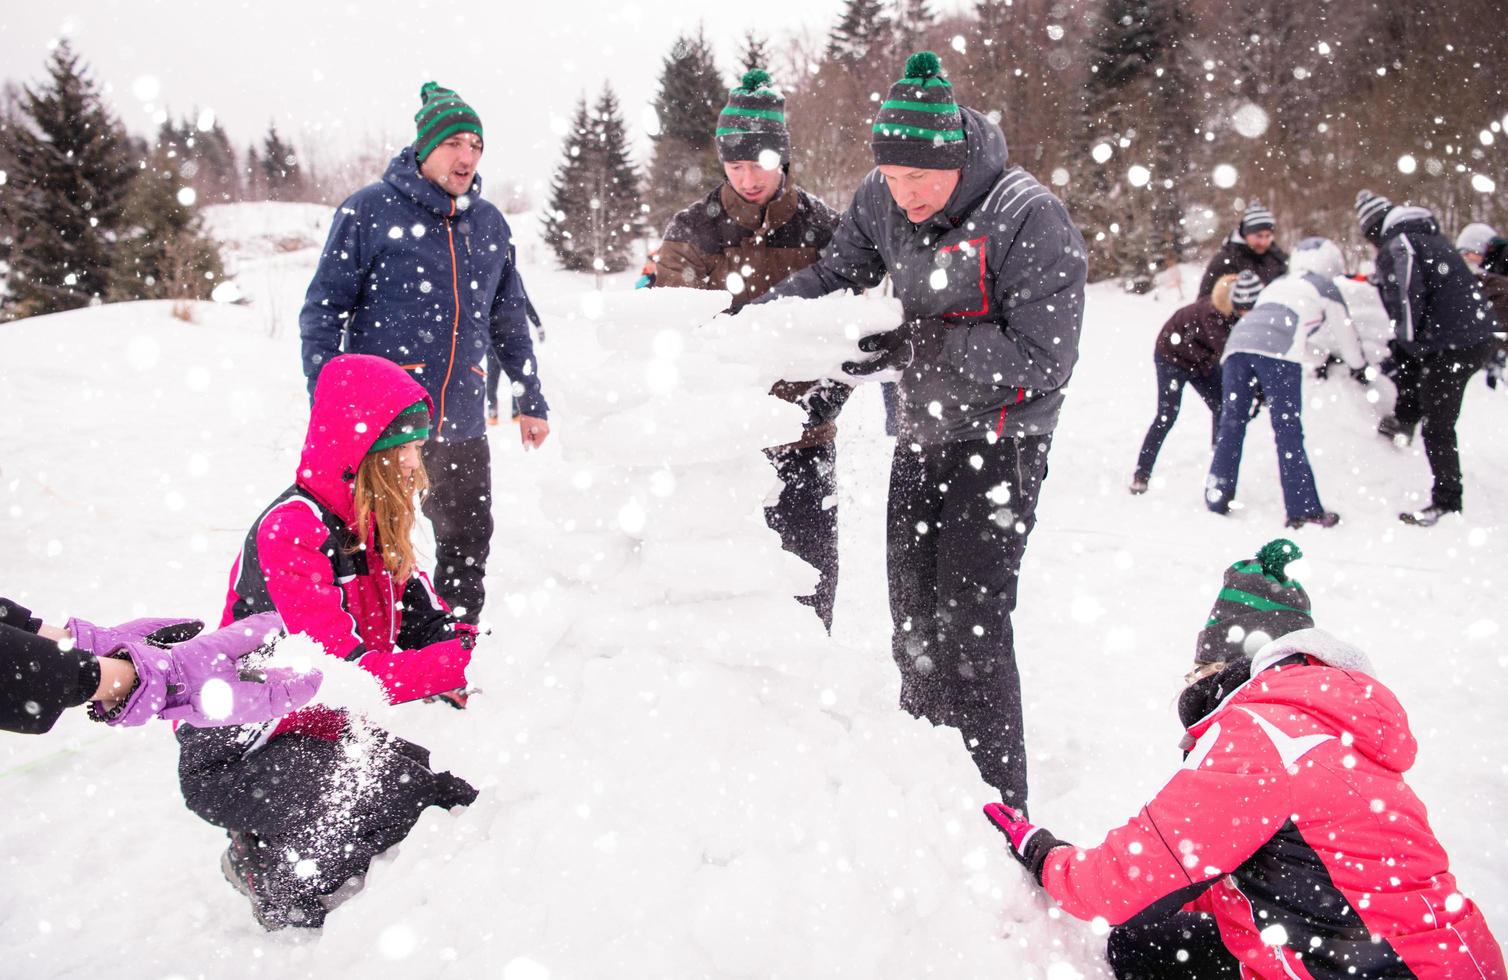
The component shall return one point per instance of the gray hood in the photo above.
(987, 156)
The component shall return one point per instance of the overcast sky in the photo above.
(347, 75)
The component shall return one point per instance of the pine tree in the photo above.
(755, 52)
(280, 168)
(913, 20)
(71, 169)
(691, 95)
(594, 212)
(165, 253)
(862, 33)
(1136, 105)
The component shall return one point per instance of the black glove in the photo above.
(913, 342)
(1029, 843)
(892, 350)
(1495, 368)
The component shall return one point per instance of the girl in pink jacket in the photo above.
(309, 799)
(1287, 846)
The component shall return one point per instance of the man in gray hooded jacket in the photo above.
(990, 272)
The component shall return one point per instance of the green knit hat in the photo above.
(1258, 603)
(919, 124)
(442, 115)
(753, 121)
(411, 425)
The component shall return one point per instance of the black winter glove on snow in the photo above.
(913, 342)
(1495, 368)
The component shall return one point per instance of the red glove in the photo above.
(408, 675)
(1029, 843)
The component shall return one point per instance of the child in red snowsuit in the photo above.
(1288, 846)
(311, 798)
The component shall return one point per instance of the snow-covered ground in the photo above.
(682, 776)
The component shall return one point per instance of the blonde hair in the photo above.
(387, 500)
(1220, 295)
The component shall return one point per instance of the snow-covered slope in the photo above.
(682, 776)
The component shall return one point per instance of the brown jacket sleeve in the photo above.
(683, 264)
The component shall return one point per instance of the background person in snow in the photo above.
(751, 232)
(1250, 248)
(140, 670)
(1287, 845)
(332, 556)
(1266, 349)
(1187, 352)
(420, 269)
(1486, 255)
(990, 273)
(1444, 332)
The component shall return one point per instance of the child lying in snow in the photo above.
(310, 799)
(1288, 844)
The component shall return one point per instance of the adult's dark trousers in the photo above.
(1171, 379)
(959, 518)
(1243, 376)
(806, 517)
(1180, 946)
(459, 506)
(1431, 387)
(310, 797)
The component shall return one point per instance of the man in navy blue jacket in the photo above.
(1444, 332)
(420, 270)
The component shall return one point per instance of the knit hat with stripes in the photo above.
(1371, 209)
(1244, 291)
(919, 124)
(442, 115)
(1256, 218)
(411, 425)
(1258, 603)
(753, 121)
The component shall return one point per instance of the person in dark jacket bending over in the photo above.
(1187, 352)
(1250, 248)
(419, 269)
(1444, 332)
(751, 232)
(990, 273)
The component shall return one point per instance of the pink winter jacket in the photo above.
(1291, 805)
(299, 556)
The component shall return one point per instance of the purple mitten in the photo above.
(202, 682)
(101, 640)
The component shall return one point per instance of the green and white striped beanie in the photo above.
(1258, 603)
(753, 121)
(919, 124)
(442, 115)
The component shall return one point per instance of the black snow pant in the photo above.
(1431, 387)
(806, 517)
(316, 814)
(459, 506)
(1171, 379)
(1150, 949)
(959, 517)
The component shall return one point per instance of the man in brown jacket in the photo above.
(751, 232)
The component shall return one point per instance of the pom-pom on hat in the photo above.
(1258, 603)
(442, 114)
(753, 121)
(919, 124)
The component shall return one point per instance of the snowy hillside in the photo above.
(681, 775)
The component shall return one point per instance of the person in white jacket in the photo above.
(1266, 351)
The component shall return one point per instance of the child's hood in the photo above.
(355, 398)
